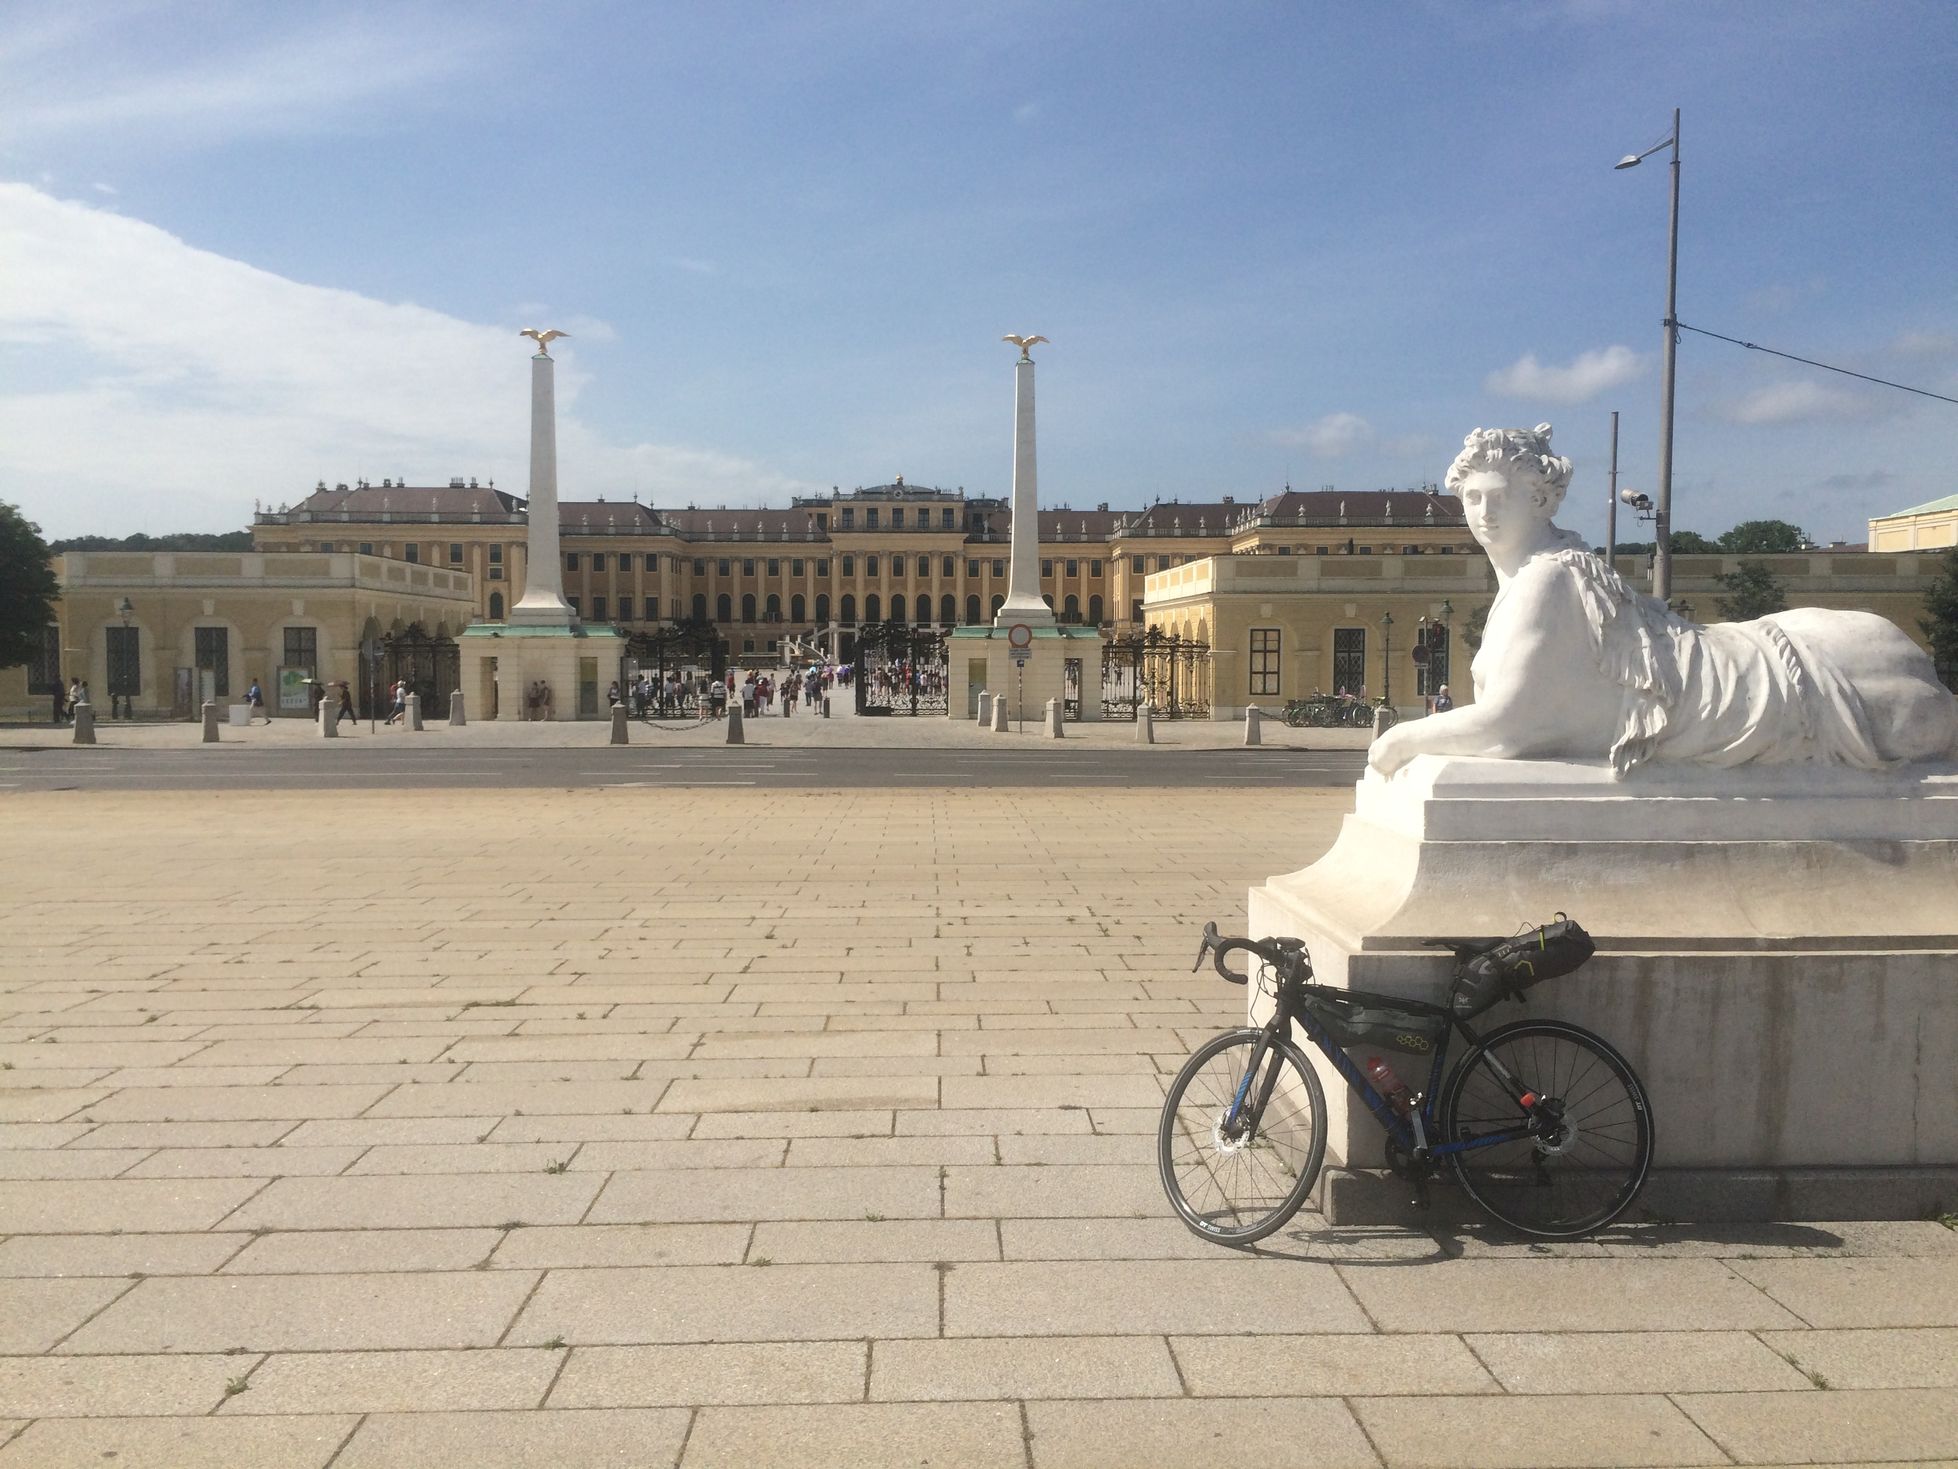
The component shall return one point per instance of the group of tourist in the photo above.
(705, 697)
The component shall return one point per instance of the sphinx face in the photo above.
(1504, 517)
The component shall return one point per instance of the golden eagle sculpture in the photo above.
(1025, 344)
(543, 338)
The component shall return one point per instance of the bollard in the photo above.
(825, 706)
(1253, 733)
(458, 715)
(210, 723)
(1055, 714)
(999, 713)
(1145, 726)
(734, 734)
(985, 706)
(84, 724)
(1381, 719)
(414, 719)
(329, 719)
(618, 725)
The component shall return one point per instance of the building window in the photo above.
(748, 566)
(213, 652)
(367, 548)
(1135, 610)
(625, 609)
(748, 607)
(945, 519)
(598, 561)
(1264, 660)
(822, 567)
(700, 566)
(873, 609)
(848, 616)
(849, 517)
(1074, 568)
(870, 523)
(1094, 611)
(720, 568)
(302, 648)
(849, 566)
(455, 553)
(597, 609)
(1135, 565)
(652, 562)
(948, 609)
(1046, 570)
(772, 610)
(897, 566)
(999, 569)
(1322, 550)
(870, 569)
(414, 555)
(699, 606)
(951, 567)
(1349, 660)
(724, 608)
(796, 608)
(897, 518)
(998, 602)
(822, 520)
(1094, 569)
(822, 608)
(1071, 609)
(795, 566)
(652, 609)
(44, 672)
(577, 606)
(496, 607)
(972, 569)
(897, 608)
(570, 560)
(972, 610)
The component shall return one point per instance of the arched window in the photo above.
(796, 606)
(724, 608)
(1048, 598)
(873, 610)
(998, 602)
(948, 609)
(849, 617)
(972, 610)
(747, 606)
(1071, 609)
(822, 609)
(773, 611)
(897, 608)
(1094, 611)
(699, 606)
(496, 607)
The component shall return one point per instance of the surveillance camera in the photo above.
(1637, 499)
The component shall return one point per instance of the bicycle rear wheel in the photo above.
(1236, 1184)
(1580, 1173)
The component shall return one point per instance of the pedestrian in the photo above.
(545, 692)
(1443, 701)
(81, 694)
(612, 694)
(398, 700)
(346, 706)
(65, 711)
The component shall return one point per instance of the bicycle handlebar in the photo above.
(1275, 952)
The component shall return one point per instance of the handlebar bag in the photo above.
(1518, 963)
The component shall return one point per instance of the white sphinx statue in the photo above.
(1576, 664)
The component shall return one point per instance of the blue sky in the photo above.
(244, 247)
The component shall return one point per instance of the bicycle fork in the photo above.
(1252, 1116)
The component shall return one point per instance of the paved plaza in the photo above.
(743, 1127)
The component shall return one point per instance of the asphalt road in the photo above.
(349, 768)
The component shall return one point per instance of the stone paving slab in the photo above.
(799, 1127)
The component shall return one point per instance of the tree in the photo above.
(28, 589)
(1763, 537)
(1692, 543)
(1941, 627)
(1752, 591)
(230, 540)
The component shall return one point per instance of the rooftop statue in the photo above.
(543, 338)
(1576, 664)
(1026, 344)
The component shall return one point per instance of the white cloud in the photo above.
(1332, 437)
(1577, 381)
(165, 386)
(1925, 346)
(1794, 402)
(101, 188)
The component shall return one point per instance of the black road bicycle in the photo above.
(1541, 1122)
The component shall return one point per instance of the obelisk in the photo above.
(543, 603)
(1023, 600)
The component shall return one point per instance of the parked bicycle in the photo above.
(1330, 711)
(1542, 1123)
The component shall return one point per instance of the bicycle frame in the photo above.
(1413, 1131)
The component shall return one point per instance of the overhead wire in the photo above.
(1811, 362)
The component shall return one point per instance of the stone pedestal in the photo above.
(413, 718)
(84, 724)
(1253, 729)
(619, 736)
(985, 706)
(1054, 728)
(999, 724)
(458, 710)
(507, 659)
(735, 733)
(1145, 726)
(985, 655)
(1774, 958)
(210, 723)
(329, 719)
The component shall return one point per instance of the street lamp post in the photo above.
(1662, 516)
(119, 675)
(1387, 657)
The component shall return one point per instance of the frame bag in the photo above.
(1516, 964)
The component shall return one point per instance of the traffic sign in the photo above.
(1019, 637)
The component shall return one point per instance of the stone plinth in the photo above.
(1777, 957)
(501, 661)
(983, 657)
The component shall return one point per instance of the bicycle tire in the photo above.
(1530, 1186)
(1393, 716)
(1190, 1143)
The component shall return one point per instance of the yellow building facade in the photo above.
(161, 632)
(1928, 527)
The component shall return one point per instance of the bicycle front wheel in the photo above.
(1585, 1159)
(1235, 1182)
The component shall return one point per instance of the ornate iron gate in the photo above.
(692, 643)
(1168, 676)
(900, 669)
(431, 665)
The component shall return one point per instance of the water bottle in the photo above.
(1389, 1085)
